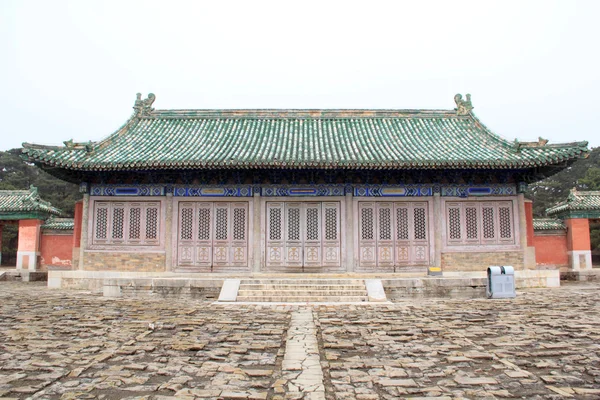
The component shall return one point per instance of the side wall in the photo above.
(56, 250)
(551, 250)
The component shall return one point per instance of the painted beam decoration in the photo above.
(304, 190)
(462, 191)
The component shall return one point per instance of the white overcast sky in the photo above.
(71, 69)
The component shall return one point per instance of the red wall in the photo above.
(57, 250)
(551, 250)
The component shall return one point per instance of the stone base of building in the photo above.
(23, 275)
(582, 275)
(466, 284)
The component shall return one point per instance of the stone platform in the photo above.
(208, 286)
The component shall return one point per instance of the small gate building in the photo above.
(319, 191)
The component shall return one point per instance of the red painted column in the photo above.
(530, 254)
(28, 249)
(578, 243)
(529, 219)
(77, 218)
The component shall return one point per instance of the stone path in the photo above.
(301, 362)
(61, 344)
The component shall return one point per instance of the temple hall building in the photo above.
(244, 192)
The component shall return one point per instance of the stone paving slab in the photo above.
(62, 344)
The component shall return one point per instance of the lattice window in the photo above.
(135, 223)
(312, 224)
(118, 223)
(275, 224)
(204, 223)
(366, 218)
(152, 223)
(239, 224)
(126, 223)
(485, 223)
(454, 223)
(472, 222)
(331, 231)
(187, 223)
(385, 224)
(420, 223)
(505, 220)
(293, 223)
(402, 223)
(221, 224)
(101, 223)
(488, 223)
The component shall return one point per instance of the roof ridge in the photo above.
(309, 113)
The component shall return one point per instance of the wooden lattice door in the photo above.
(393, 234)
(302, 235)
(213, 236)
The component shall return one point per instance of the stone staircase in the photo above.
(302, 290)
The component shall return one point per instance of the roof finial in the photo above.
(463, 107)
(143, 107)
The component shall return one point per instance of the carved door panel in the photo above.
(275, 241)
(385, 240)
(293, 232)
(239, 231)
(203, 232)
(212, 234)
(420, 233)
(402, 233)
(186, 241)
(312, 234)
(222, 236)
(331, 234)
(367, 235)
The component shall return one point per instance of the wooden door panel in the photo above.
(212, 234)
(393, 234)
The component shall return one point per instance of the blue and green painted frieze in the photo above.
(414, 190)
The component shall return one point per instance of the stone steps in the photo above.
(305, 292)
(302, 290)
(303, 281)
(302, 299)
(299, 287)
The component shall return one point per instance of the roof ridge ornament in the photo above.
(463, 107)
(143, 108)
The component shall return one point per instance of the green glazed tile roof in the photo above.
(544, 224)
(302, 139)
(24, 201)
(59, 224)
(577, 201)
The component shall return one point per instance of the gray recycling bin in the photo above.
(500, 282)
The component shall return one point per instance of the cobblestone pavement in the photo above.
(60, 344)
